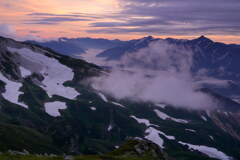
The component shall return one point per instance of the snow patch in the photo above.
(211, 152)
(110, 127)
(204, 118)
(208, 113)
(211, 137)
(52, 108)
(55, 74)
(164, 116)
(191, 130)
(103, 97)
(12, 91)
(144, 121)
(93, 108)
(153, 135)
(117, 104)
(167, 136)
(25, 72)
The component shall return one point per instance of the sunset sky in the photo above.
(122, 19)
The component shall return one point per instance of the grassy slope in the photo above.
(19, 138)
(126, 151)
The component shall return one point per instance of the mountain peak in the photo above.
(148, 37)
(203, 38)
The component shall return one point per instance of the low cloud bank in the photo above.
(160, 73)
(8, 31)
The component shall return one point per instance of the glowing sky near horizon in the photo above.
(124, 19)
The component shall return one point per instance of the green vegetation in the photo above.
(19, 138)
(128, 151)
(7, 156)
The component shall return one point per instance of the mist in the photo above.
(159, 73)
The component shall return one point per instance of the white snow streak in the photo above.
(164, 116)
(117, 104)
(144, 121)
(191, 130)
(211, 152)
(103, 97)
(211, 137)
(204, 118)
(110, 127)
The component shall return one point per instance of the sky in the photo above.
(122, 19)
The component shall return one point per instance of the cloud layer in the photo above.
(8, 31)
(185, 17)
(127, 18)
(160, 73)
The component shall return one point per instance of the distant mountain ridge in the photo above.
(217, 60)
(73, 46)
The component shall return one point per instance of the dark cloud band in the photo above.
(179, 17)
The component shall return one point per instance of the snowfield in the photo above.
(164, 116)
(211, 152)
(12, 91)
(153, 135)
(52, 108)
(25, 72)
(55, 74)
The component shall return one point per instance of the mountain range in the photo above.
(216, 60)
(47, 104)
